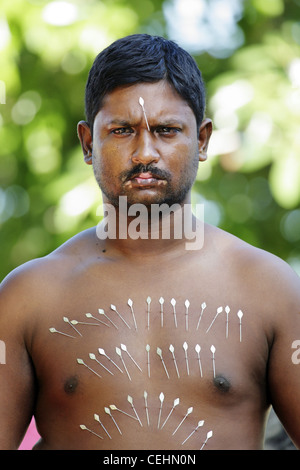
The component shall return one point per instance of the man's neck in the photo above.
(151, 230)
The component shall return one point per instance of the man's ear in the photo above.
(205, 132)
(86, 140)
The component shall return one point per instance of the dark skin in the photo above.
(249, 372)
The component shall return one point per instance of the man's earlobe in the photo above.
(86, 140)
(202, 155)
(88, 157)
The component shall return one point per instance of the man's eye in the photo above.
(122, 131)
(165, 130)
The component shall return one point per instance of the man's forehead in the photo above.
(160, 101)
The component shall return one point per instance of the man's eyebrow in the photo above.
(119, 122)
(170, 121)
(160, 121)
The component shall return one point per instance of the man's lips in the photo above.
(145, 178)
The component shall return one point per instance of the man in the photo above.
(144, 342)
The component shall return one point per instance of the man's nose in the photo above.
(145, 150)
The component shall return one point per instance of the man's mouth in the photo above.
(145, 178)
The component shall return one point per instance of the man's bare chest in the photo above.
(120, 358)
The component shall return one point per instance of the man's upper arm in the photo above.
(16, 374)
(284, 362)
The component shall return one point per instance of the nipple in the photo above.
(222, 383)
(71, 385)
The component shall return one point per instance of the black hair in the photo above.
(144, 58)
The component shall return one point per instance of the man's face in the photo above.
(148, 166)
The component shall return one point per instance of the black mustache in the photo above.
(136, 170)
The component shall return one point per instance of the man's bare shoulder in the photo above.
(262, 272)
(38, 276)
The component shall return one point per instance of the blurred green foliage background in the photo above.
(249, 54)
